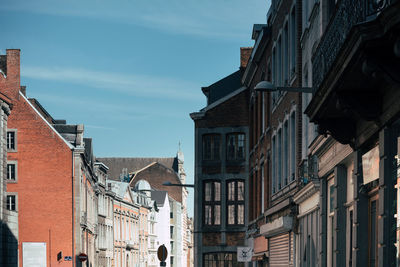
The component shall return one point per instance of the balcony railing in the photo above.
(347, 14)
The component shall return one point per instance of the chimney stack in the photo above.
(10, 78)
(245, 53)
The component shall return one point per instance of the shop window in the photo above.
(221, 259)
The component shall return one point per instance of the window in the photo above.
(11, 140)
(11, 202)
(212, 203)
(211, 147)
(279, 62)
(236, 146)
(273, 164)
(11, 171)
(172, 260)
(285, 153)
(279, 159)
(293, 41)
(286, 55)
(171, 215)
(171, 232)
(235, 202)
(292, 145)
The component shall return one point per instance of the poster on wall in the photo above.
(34, 254)
(370, 165)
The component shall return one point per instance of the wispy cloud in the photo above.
(110, 110)
(207, 18)
(136, 85)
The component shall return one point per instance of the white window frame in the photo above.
(15, 194)
(15, 163)
(15, 140)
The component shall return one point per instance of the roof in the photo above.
(119, 188)
(159, 197)
(135, 164)
(223, 87)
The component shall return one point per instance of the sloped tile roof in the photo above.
(135, 164)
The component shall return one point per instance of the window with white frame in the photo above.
(11, 171)
(11, 140)
(11, 202)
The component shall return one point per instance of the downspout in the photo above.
(73, 209)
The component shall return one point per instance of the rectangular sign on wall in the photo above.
(370, 165)
(34, 254)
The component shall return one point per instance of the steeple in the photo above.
(181, 159)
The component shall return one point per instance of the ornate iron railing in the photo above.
(347, 14)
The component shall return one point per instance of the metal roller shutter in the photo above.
(279, 251)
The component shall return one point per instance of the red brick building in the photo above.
(49, 179)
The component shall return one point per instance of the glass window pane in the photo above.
(241, 146)
(217, 214)
(231, 214)
(207, 191)
(216, 147)
(217, 191)
(240, 214)
(207, 215)
(231, 191)
(240, 194)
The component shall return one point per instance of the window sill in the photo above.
(12, 181)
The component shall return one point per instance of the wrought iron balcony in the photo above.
(347, 14)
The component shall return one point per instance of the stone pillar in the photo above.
(387, 201)
(360, 216)
(339, 222)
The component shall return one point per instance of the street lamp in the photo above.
(265, 86)
(182, 185)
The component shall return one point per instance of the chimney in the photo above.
(245, 53)
(10, 81)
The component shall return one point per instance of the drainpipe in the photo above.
(73, 210)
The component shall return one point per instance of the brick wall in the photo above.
(156, 175)
(231, 113)
(44, 174)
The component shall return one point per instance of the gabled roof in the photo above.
(223, 87)
(134, 165)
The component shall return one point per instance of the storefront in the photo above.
(280, 241)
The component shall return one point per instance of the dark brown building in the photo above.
(221, 171)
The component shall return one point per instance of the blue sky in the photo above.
(129, 70)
